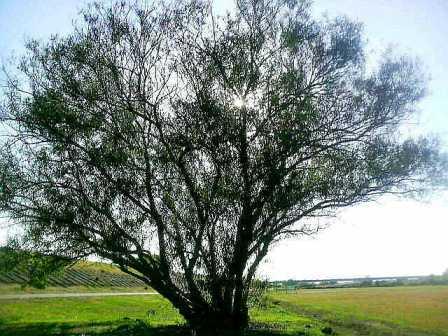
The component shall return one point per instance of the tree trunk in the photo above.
(219, 324)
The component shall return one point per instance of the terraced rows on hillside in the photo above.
(78, 277)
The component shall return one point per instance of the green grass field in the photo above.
(421, 310)
(150, 315)
(78, 316)
(404, 311)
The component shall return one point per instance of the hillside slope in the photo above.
(84, 273)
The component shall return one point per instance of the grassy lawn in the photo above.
(131, 315)
(421, 310)
(77, 316)
(399, 311)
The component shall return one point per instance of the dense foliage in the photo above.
(180, 144)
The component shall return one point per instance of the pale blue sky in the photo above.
(415, 27)
(390, 237)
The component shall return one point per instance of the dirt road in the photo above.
(67, 295)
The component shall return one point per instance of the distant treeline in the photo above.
(360, 282)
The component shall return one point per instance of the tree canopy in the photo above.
(180, 144)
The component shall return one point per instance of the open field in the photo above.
(421, 310)
(77, 316)
(404, 311)
(126, 316)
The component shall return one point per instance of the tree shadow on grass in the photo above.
(109, 328)
(87, 329)
(117, 328)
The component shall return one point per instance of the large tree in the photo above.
(180, 144)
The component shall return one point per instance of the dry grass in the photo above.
(96, 267)
(422, 309)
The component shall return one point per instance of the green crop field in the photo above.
(404, 311)
(81, 274)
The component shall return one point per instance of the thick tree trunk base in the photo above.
(219, 325)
